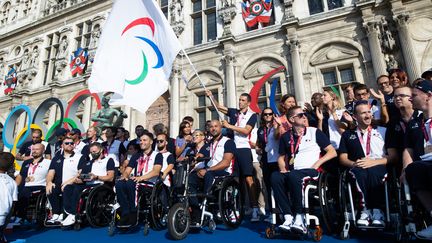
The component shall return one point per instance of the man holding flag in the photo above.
(138, 34)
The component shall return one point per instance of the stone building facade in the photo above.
(320, 43)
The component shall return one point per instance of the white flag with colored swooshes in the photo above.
(135, 54)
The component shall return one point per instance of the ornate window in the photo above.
(4, 15)
(203, 21)
(51, 51)
(319, 6)
(205, 109)
(84, 34)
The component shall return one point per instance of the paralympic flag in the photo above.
(135, 54)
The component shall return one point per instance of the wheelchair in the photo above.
(152, 208)
(223, 203)
(38, 209)
(93, 206)
(349, 200)
(412, 220)
(320, 195)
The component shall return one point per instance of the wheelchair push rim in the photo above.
(230, 204)
(159, 209)
(98, 213)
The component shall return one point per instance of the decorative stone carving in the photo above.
(176, 12)
(62, 52)
(401, 19)
(333, 53)
(95, 35)
(25, 61)
(260, 68)
(372, 27)
(227, 13)
(288, 13)
(208, 77)
(391, 62)
(388, 43)
(34, 57)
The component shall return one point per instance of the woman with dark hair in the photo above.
(287, 101)
(183, 139)
(398, 78)
(268, 146)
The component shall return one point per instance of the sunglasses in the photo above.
(401, 96)
(160, 141)
(68, 143)
(268, 114)
(300, 115)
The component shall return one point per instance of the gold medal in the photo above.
(27, 179)
(32, 178)
(291, 162)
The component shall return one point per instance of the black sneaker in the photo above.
(132, 218)
(124, 221)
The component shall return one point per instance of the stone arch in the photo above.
(272, 60)
(341, 40)
(210, 76)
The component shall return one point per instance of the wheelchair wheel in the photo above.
(230, 203)
(329, 202)
(178, 221)
(159, 205)
(41, 210)
(98, 213)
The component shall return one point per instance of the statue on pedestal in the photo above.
(108, 117)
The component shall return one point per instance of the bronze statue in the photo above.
(105, 116)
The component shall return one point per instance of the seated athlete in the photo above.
(302, 145)
(362, 150)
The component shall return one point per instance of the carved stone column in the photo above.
(231, 92)
(288, 10)
(407, 46)
(227, 13)
(174, 115)
(378, 61)
(297, 71)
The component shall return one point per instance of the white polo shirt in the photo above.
(37, 172)
(217, 151)
(70, 167)
(8, 194)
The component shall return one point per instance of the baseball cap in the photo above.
(75, 131)
(61, 131)
(424, 85)
(427, 73)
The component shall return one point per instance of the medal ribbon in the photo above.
(213, 149)
(294, 150)
(141, 162)
(425, 133)
(368, 141)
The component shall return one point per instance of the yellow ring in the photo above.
(13, 151)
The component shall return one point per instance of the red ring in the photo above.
(78, 95)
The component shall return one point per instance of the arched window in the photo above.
(5, 13)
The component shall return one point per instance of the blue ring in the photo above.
(13, 116)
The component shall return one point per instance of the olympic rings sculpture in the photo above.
(35, 119)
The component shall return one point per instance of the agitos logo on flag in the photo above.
(135, 54)
(160, 63)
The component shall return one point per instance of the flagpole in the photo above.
(221, 116)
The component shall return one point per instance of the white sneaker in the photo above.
(378, 218)
(262, 211)
(69, 220)
(298, 225)
(287, 224)
(425, 234)
(364, 219)
(54, 219)
(255, 215)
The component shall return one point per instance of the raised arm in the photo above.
(220, 107)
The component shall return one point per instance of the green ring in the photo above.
(57, 123)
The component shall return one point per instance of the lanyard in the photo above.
(368, 141)
(213, 149)
(143, 161)
(425, 133)
(267, 131)
(294, 150)
(239, 118)
(32, 168)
